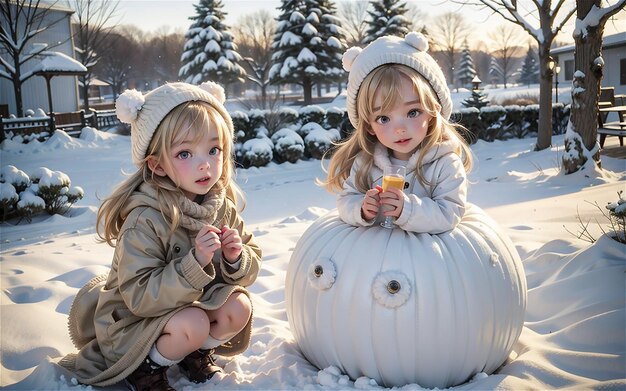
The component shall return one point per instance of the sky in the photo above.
(150, 15)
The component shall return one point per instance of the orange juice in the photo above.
(393, 181)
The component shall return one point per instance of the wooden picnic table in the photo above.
(612, 128)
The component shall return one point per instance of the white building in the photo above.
(614, 55)
(64, 88)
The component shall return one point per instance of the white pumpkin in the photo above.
(400, 307)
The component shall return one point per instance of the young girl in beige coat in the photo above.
(175, 293)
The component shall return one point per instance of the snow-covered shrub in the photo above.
(530, 114)
(256, 119)
(469, 118)
(334, 118)
(23, 196)
(8, 200)
(617, 217)
(288, 115)
(257, 152)
(319, 140)
(288, 145)
(30, 205)
(308, 128)
(493, 118)
(312, 113)
(513, 123)
(14, 176)
(560, 118)
(240, 121)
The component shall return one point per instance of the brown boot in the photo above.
(150, 376)
(199, 366)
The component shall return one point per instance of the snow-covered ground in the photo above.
(575, 325)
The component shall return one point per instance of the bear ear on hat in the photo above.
(417, 40)
(349, 56)
(214, 89)
(128, 104)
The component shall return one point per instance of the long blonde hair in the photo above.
(189, 118)
(388, 79)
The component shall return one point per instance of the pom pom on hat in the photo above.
(349, 56)
(214, 89)
(128, 104)
(417, 40)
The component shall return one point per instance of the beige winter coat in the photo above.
(154, 274)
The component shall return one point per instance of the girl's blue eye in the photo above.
(184, 155)
(382, 119)
(413, 113)
(214, 151)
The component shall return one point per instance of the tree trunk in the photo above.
(544, 136)
(17, 86)
(306, 87)
(585, 93)
(85, 88)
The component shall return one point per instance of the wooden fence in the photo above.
(71, 122)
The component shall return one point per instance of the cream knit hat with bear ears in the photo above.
(409, 51)
(144, 113)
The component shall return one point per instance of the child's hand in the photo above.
(394, 198)
(231, 244)
(371, 204)
(207, 242)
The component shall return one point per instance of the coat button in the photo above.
(406, 185)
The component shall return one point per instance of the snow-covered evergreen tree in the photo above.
(478, 100)
(495, 71)
(466, 71)
(209, 52)
(307, 45)
(529, 72)
(386, 18)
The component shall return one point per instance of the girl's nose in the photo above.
(204, 163)
(400, 127)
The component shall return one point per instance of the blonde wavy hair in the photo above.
(189, 118)
(388, 80)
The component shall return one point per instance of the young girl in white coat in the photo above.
(176, 290)
(399, 105)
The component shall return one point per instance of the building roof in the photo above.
(609, 41)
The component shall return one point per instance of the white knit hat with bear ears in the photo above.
(144, 113)
(410, 51)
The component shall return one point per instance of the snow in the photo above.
(575, 325)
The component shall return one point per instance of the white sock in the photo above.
(211, 343)
(158, 358)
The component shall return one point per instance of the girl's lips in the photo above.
(403, 141)
(203, 180)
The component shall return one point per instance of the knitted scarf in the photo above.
(193, 215)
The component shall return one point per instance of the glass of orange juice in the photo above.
(393, 176)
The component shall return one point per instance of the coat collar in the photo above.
(382, 160)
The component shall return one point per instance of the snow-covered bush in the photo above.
(530, 114)
(334, 118)
(513, 123)
(470, 119)
(256, 119)
(493, 118)
(312, 113)
(22, 196)
(240, 121)
(560, 118)
(288, 115)
(257, 152)
(318, 141)
(288, 145)
(307, 128)
(617, 217)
